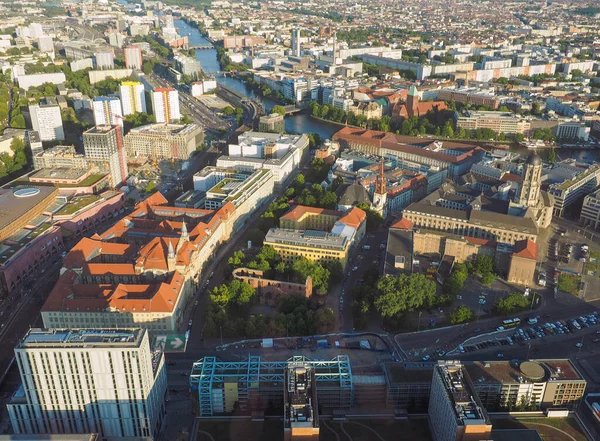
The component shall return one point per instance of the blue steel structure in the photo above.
(209, 373)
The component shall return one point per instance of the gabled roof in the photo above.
(403, 224)
(526, 249)
(355, 217)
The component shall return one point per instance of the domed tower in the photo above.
(529, 190)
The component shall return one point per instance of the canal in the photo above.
(301, 122)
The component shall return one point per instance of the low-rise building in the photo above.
(332, 240)
(590, 211)
(60, 156)
(499, 122)
(273, 123)
(280, 153)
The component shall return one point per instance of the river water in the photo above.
(301, 122)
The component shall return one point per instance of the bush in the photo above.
(514, 302)
(461, 314)
(569, 283)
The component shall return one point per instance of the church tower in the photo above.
(184, 236)
(380, 195)
(412, 102)
(531, 181)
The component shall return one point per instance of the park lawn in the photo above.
(568, 425)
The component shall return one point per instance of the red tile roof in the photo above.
(403, 224)
(526, 249)
(482, 242)
(296, 213)
(354, 217)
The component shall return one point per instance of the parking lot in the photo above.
(534, 330)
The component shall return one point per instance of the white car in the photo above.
(355, 269)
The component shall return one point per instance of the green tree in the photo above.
(302, 268)
(404, 293)
(513, 302)
(461, 314)
(228, 111)
(552, 156)
(454, 284)
(278, 109)
(237, 260)
(241, 294)
(18, 122)
(374, 219)
(328, 200)
(569, 283)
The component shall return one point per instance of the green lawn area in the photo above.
(593, 264)
(569, 283)
(77, 204)
(39, 230)
(568, 425)
(90, 180)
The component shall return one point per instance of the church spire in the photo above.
(380, 185)
(184, 231)
(171, 252)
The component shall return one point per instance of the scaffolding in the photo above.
(258, 380)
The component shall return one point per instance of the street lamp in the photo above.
(419, 326)
(221, 328)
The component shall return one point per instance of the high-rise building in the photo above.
(107, 111)
(46, 120)
(529, 189)
(115, 39)
(133, 98)
(133, 57)
(89, 381)
(455, 410)
(165, 104)
(105, 60)
(45, 43)
(103, 145)
(35, 30)
(34, 142)
(295, 42)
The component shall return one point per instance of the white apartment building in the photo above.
(89, 381)
(107, 111)
(133, 57)
(47, 121)
(105, 60)
(133, 99)
(45, 43)
(165, 104)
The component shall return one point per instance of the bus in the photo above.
(511, 323)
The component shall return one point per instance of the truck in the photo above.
(322, 343)
(267, 343)
(596, 408)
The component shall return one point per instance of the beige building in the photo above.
(486, 225)
(499, 122)
(160, 141)
(523, 263)
(317, 244)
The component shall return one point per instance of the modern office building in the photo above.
(133, 98)
(256, 384)
(165, 105)
(104, 60)
(133, 57)
(107, 111)
(238, 187)
(47, 121)
(280, 153)
(499, 122)
(160, 141)
(590, 211)
(103, 145)
(89, 381)
(455, 411)
(535, 384)
(34, 142)
(273, 123)
(301, 410)
(582, 181)
(295, 43)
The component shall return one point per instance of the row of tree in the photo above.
(323, 274)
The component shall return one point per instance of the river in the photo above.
(301, 122)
